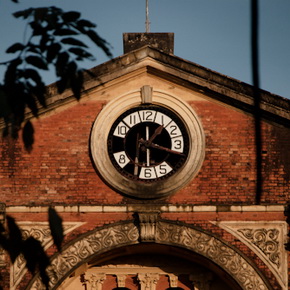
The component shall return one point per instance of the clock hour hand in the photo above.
(156, 132)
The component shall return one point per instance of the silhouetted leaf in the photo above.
(5, 109)
(91, 74)
(64, 31)
(11, 71)
(61, 63)
(23, 13)
(56, 228)
(80, 53)
(31, 103)
(23, 88)
(33, 48)
(4, 243)
(73, 41)
(52, 51)
(45, 39)
(37, 62)
(37, 29)
(36, 258)
(33, 75)
(99, 42)
(71, 16)
(15, 47)
(62, 84)
(39, 91)
(28, 136)
(15, 239)
(77, 84)
(85, 23)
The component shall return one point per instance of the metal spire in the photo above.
(147, 18)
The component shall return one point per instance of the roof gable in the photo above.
(211, 84)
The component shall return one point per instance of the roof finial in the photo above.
(147, 18)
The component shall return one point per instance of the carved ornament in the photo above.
(127, 233)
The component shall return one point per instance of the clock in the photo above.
(148, 143)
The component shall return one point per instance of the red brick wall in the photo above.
(59, 169)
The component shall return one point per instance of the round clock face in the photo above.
(148, 143)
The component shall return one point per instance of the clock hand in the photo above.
(156, 132)
(137, 155)
(147, 149)
(156, 146)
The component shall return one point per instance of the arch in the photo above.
(114, 236)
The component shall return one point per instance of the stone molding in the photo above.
(41, 232)
(266, 239)
(127, 233)
(144, 207)
(147, 224)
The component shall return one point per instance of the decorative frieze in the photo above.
(266, 239)
(127, 233)
(213, 249)
(41, 232)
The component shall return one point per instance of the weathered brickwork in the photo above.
(59, 170)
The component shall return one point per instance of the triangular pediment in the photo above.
(177, 71)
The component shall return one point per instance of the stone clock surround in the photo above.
(157, 189)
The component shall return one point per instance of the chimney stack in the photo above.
(161, 41)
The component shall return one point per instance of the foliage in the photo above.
(54, 42)
(11, 240)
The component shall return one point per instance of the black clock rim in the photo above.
(170, 113)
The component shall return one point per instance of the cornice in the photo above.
(169, 208)
(211, 84)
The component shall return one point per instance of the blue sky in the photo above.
(211, 33)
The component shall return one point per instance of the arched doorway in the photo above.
(156, 236)
(149, 266)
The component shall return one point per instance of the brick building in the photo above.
(154, 174)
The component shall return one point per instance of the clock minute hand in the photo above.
(156, 146)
